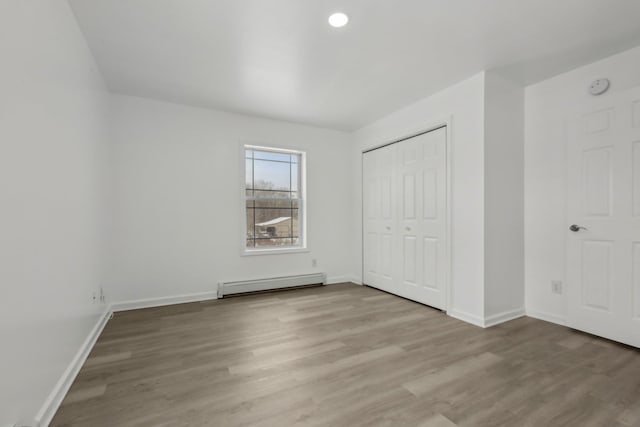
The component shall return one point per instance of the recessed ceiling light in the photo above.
(338, 20)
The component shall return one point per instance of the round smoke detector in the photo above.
(598, 87)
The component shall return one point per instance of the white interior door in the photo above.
(604, 218)
(405, 218)
(379, 213)
(422, 227)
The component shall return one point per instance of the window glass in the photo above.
(274, 203)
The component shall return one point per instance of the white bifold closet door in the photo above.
(405, 218)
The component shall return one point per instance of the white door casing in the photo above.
(413, 227)
(603, 259)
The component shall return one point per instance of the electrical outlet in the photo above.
(314, 262)
(556, 287)
(103, 297)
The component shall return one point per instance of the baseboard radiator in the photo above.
(226, 289)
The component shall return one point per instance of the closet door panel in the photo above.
(433, 221)
(409, 224)
(410, 261)
(371, 267)
(430, 194)
(386, 256)
(430, 263)
(406, 218)
(380, 216)
(371, 216)
(387, 225)
(409, 196)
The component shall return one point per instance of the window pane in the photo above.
(250, 223)
(295, 179)
(271, 194)
(273, 223)
(273, 203)
(271, 175)
(248, 179)
(273, 242)
(295, 232)
(272, 207)
(268, 155)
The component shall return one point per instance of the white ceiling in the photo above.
(280, 59)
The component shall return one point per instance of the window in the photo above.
(274, 199)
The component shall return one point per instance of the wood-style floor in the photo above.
(346, 355)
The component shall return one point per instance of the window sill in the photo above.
(274, 251)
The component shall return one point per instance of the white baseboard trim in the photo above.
(163, 301)
(488, 321)
(343, 279)
(547, 317)
(51, 405)
(496, 319)
(466, 317)
(205, 296)
(340, 279)
(354, 279)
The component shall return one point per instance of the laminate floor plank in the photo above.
(346, 355)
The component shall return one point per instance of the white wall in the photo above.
(178, 201)
(53, 169)
(547, 105)
(504, 196)
(463, 103)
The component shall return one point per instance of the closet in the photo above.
(405, 218)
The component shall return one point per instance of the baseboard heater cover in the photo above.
(269, 284)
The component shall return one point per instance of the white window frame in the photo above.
(302, 209)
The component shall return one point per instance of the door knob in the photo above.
(575, 228)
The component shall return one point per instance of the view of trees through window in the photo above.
(273, 199)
